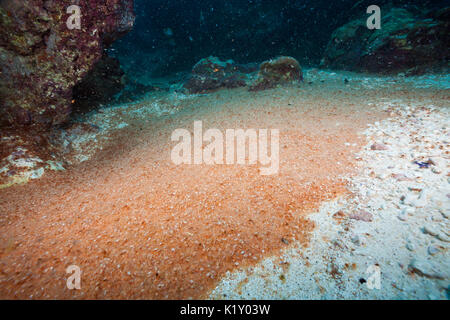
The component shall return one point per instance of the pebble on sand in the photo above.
(361, 215)
(378, 147)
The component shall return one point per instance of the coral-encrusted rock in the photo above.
(279, 71)
(405, 42)
(211, 74)
(41, 60)
(99, 86)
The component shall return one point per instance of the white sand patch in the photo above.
(407, 239)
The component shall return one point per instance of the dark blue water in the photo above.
(172, 35)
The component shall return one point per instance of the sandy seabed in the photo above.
(140, 227)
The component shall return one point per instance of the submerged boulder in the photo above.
(407, 41)
(211, 73)
(282, 70)
(41, 59)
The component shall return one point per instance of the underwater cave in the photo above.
(224, 150)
